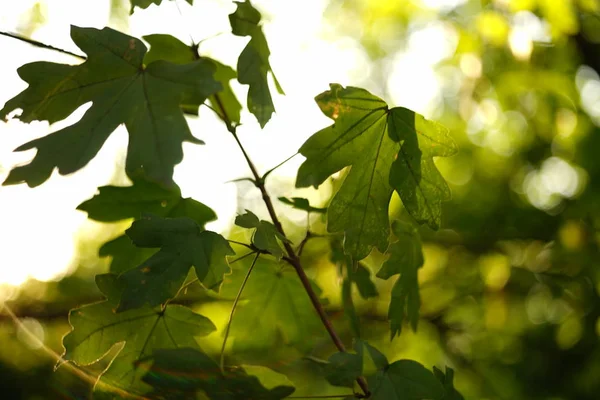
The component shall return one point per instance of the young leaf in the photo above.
(405, 380)
(301, 203)
(406, 257)
(253, 63)
(179, 373)
(169, 48)
(277, 306)
(266, 235)
(114, 203)
(122, 91)
(96, 328)
(146, 3)
(379, 145)
(183, 244)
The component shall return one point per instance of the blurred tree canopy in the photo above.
(510, 286)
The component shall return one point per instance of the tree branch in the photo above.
(292, 258)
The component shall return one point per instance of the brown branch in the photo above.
(292, 258)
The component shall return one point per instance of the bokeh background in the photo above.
(511, 283)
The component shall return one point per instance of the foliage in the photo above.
(500, 278)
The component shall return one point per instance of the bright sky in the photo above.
(40, 227)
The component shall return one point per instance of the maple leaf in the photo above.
(276, 304)
(96, 328)
(300, 203)
(166, 47)
(183, 244)
(253, 62)
(122, 91)
(405, 258)
(177, 373)
(115, 203)
(387, 149)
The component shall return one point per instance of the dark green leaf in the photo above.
(253, 63)
(266, 235)
(405, 258)
(342, 369)
(183, 244)
(124, 254)
(277, 306)
(169, 48)
(122, 91)
(371, 139)
(349, 308)
(179, 373)
(301, 203)
(114, 203)
(96, 328)
(362, 277)
(405, 380)
(146, 3)
(448, 382)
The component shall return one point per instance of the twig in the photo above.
(233, 307)
(40, 44)
(292, 258)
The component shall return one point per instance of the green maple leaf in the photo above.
(183, 244)
(122, 91)
(277, 306)
(169, 48)
(253, 63)
(300, 203)
(265, 236)
(400, 380)
(405, 258)
(146, 3)
(180, 373)
(405, 380)
(387, 149)
(115, 203)
(96, 328)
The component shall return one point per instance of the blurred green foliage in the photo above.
(510, 285)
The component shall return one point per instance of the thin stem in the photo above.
(292, 258)
(242, 257)
(235, 303)
(241, 244)
(40, 44)
(325, 396)
(279, 165)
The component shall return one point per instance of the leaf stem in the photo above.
(292, 258)
(233, 307)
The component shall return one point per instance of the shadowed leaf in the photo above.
(122, 91)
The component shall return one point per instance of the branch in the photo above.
(40, 44)
(292, 258)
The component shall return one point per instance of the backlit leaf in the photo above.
(277, 306)
(387, 150)
(122, 91)
(265, 236)
(96, 328)
(405, 258)
(183, 244)
(253, 63)
(169, 48)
